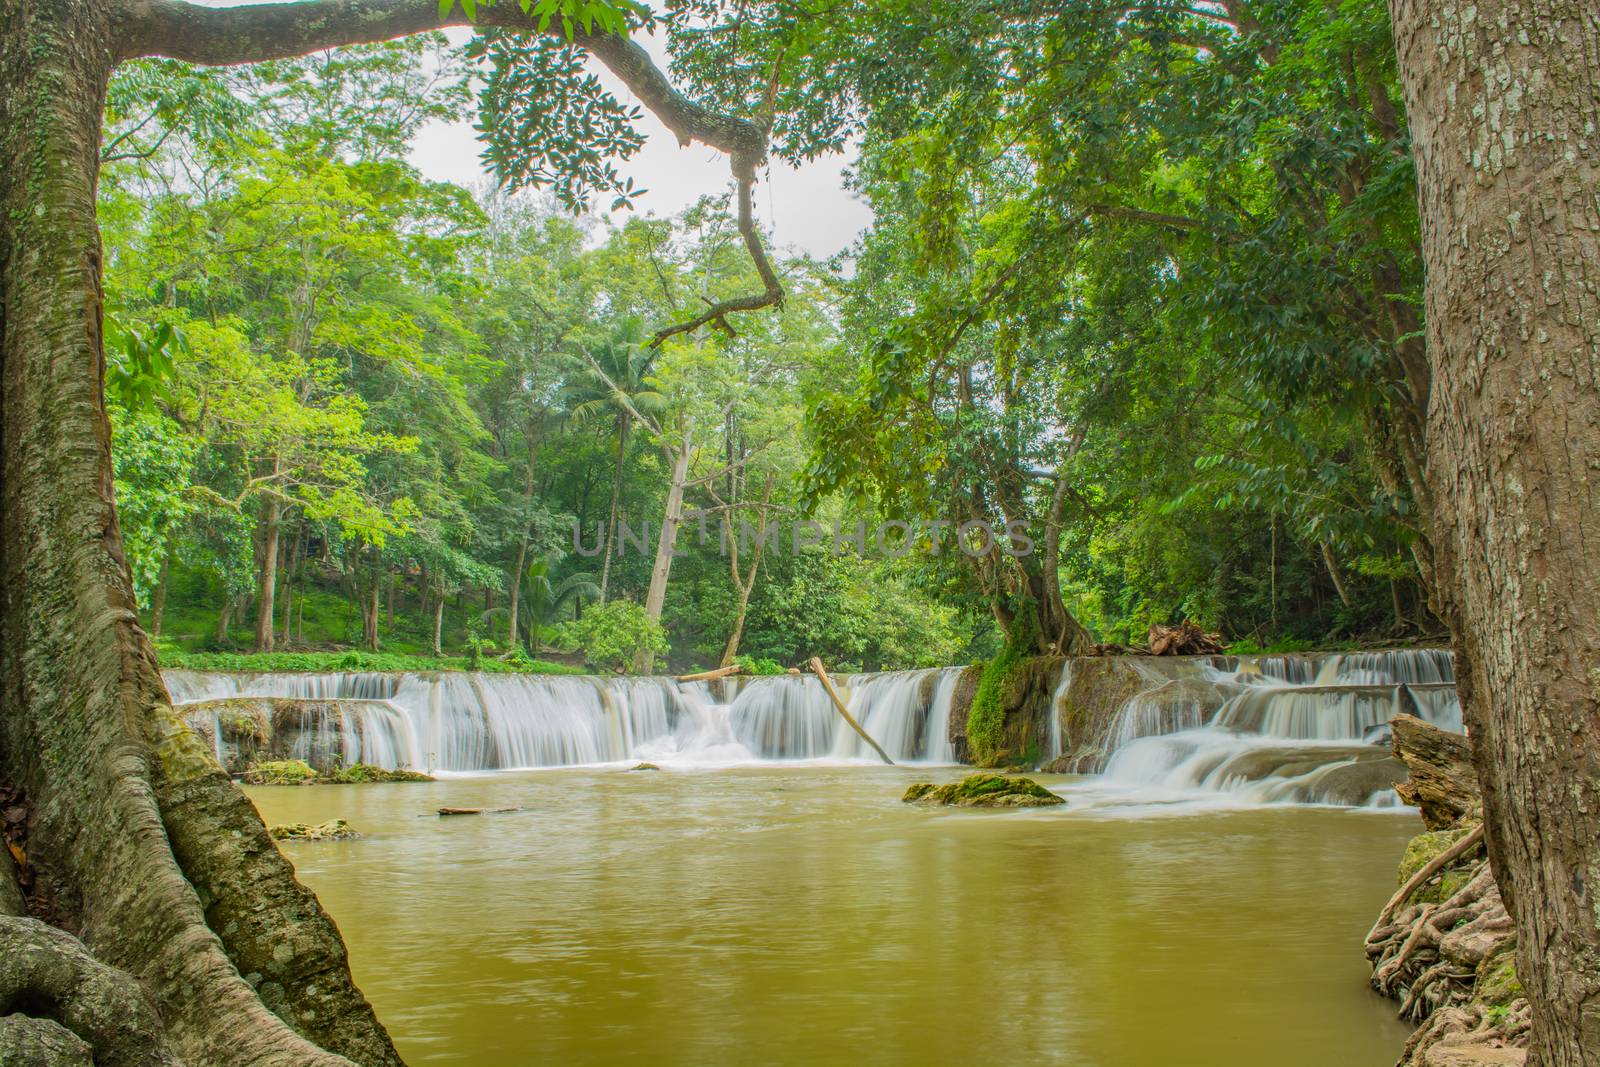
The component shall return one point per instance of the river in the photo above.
(791, 914)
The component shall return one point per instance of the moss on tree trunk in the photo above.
(140, 845)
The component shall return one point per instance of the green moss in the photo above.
(986, 718)
(280, 772)
(358, 773)
(1420, 851)
(336, 830)
(983, 791)
(1497, 984)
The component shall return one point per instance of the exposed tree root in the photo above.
(63, 1006)
(1448, 961)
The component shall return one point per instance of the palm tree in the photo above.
(545, 598)
(609, 378)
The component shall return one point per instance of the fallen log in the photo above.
(706, 676)
(475, 811)
(1184, 639)
(838, 705)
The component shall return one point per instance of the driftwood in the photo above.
(1443, 782)
(838, 705)
(706, 676)
(1184, 639)
(476, 811)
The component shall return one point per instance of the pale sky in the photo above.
(807, 209)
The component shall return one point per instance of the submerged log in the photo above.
(838, 705)
(1443, 782)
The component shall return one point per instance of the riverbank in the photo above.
(1443, 945)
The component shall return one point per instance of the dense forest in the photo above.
(354, 408)
(1276, 318)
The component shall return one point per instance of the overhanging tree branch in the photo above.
(258, 32)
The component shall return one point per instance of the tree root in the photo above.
(1429, 956)
(64, 1006)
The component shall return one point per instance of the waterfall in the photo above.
(1262, 729)
(464, 721)
(1288, 729)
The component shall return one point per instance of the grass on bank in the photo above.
(354, 661)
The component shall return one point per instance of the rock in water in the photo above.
(362, 773)
(337, 830)
(280, 772)
(984, 791)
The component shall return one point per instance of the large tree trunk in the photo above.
(438, 627)
(266, 586)
(135, 837)
(666, 544)
(1504, 107)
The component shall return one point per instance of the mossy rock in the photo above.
(280, 772)
(1420, 851)
(984, 791)
(336, 830)
(362, 773)
(644, 767)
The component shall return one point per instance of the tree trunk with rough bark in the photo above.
(623, 423)
(158, 600)
(266, 586)
(666, 543)
(1504, 105)
(151, 861)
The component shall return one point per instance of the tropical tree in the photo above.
(547, 597)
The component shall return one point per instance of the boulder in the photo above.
(334, 830)
(984, 791)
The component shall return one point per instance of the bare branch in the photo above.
(744, 171)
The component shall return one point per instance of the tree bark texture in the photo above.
(144, 849)
(1504, 107)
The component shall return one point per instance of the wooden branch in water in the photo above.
(706, 676)
(838, 704)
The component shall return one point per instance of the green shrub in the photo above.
(611, 636)
(758, 665)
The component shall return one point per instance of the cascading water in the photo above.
(1292, 729)
(1269, 729)
(475, 722)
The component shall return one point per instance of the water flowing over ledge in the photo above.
(1151, 730)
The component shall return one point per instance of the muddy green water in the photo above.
(802, 915)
